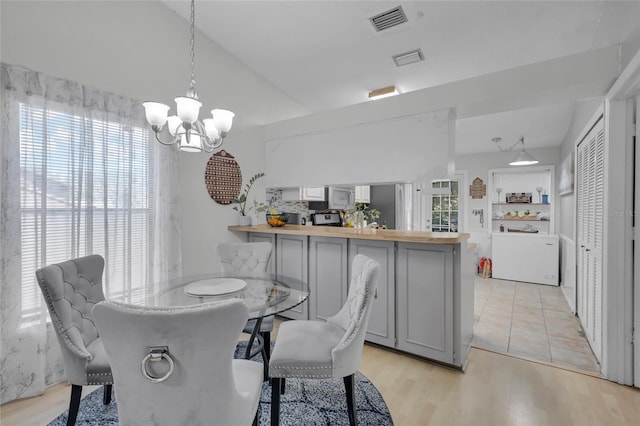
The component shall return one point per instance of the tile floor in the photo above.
(530, 321)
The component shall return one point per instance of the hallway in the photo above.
(530, 321)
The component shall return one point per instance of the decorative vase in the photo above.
(244, 220)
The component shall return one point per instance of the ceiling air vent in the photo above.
(389, 19)
(408, 57)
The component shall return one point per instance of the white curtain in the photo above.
(79, 174)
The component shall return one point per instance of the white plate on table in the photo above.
(215, 287)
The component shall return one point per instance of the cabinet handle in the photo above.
(375, 294)
(549, 244)
(587, 249)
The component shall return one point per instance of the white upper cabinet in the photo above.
(313, 193)
(303, 193)
(363, 194)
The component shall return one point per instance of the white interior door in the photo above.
(589, 233)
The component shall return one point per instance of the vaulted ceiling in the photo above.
(327, 54)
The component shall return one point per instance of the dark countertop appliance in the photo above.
(326, 219)
(294, 218)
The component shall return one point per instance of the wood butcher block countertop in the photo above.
(363, 234)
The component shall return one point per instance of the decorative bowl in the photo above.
(276, 220)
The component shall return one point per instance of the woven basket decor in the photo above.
(223, 177)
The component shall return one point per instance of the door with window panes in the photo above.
(445, 206)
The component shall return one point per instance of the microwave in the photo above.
(335, 198)
(341, 198)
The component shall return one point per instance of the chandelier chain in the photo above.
(192, 33)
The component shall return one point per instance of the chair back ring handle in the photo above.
(157, 354)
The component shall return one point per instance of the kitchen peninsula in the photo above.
(423, 302)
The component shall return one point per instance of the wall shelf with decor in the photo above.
(529, 187)
(524, 246)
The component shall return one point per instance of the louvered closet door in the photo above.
(590, 218)
(581, 190)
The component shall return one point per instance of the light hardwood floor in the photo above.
(495, 390)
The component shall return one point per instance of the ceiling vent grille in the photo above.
(388, 19)
(408, 57)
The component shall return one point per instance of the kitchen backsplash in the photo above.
(275, 201)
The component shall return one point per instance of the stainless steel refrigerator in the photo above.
(395, 202)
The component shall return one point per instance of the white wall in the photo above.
(136, 48)
(478, 165)
(393, 150)
(631, 45)
(140, 49)
(204, 222)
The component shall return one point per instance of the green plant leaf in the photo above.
(241, 200)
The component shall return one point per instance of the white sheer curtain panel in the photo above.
(79, 175)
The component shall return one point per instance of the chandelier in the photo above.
(523, 159)
(187, 132)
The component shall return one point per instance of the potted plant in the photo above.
(362, 214)
(258, 207)
(241, 202)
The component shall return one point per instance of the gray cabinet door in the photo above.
(292, 255)
(381, 328)
(425, 300)
(328, 276)
(259, 237)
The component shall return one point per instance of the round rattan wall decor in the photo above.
(223, 177)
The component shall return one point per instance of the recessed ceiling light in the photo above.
(383, 93)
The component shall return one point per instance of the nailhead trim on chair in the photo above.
(273, 371)
(307, 368)
(301, 376)
(96, 376)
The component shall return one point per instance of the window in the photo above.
(445, 206)
(85, 188)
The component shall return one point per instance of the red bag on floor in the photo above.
(484, 267)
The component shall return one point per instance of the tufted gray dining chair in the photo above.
(71, 289)
(175, 366)
(318, 349)
(249, 259)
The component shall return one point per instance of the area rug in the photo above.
(305, 402)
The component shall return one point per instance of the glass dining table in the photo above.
(264, 294)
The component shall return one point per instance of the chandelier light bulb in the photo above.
(223, 120)
(188, 109)
(156, 113)
(210, 128)
(190, 142)
(173, 123)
